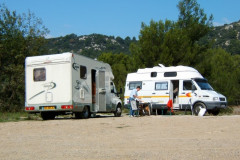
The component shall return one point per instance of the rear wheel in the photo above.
(85, 113)
(197, 107)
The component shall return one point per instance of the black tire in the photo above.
(196, 108)
(48, 115)
(118, 111)
(215, 112)
(85, 113)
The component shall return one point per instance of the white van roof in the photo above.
(54, 58)
(183, 72)
(162, 68)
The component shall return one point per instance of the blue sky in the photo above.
(114, 17)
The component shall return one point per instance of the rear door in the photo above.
(48, 84)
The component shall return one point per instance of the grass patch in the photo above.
(16, 116)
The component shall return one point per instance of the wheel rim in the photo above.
(119, 110)
(198, 107)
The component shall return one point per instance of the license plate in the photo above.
(49, 107)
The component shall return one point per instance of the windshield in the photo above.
(203, 84)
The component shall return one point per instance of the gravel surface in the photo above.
(107, 137)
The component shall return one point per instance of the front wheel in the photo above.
(197, 108)
(118, 111)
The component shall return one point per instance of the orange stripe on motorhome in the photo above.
(181, 96)
(150, 96)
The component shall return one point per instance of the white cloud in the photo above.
(223, 21)
(48, 36)
(217, 24)
(226, 21)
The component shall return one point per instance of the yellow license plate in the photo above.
(49, 107)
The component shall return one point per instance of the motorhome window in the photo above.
(39, 74)
(187, 85)
(161, 86)
(133, 85)
(170, 74)
(83, 72)
(153, 74)
(112, 87)
(203, 84)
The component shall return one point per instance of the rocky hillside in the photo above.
(90, 45)
(226, 36)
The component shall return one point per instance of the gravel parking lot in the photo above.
(107, 137)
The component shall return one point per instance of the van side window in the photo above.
(153, 74)
(83, 72)
(161, 86)
(170, 74)
(133, 85)
(39, 74)
(187, 85)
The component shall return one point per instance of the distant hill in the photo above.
(89, 45)
(226, 36)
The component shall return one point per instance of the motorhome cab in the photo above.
(185, 86)
(69, 83)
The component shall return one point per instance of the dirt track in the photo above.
(149, 137)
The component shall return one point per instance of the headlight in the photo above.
(215, 98)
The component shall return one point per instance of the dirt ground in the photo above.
(106, 137)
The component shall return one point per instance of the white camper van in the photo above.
(184, 86)
(68, 83)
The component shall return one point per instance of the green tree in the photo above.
(20, 36)
(193, 20)
(173, 43)
(121, 65)
(146, 52)
(223, 72)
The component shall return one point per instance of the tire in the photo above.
(48, 115)
(118, 111)
(85, 113)
(196, 108)
(215, 112)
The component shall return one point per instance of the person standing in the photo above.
(132, 99)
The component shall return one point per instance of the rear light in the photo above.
(29, 108)
(67, 106)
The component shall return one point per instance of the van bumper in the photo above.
(216, 105)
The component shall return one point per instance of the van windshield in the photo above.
(203, 84)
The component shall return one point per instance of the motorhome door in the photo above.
(186, 95)
(101, 90)
(174, 93)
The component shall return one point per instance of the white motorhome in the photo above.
(185, 86)
(69, 83)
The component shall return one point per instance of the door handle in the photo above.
(167, 93)
(153, 93)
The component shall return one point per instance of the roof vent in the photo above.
(161, 65)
